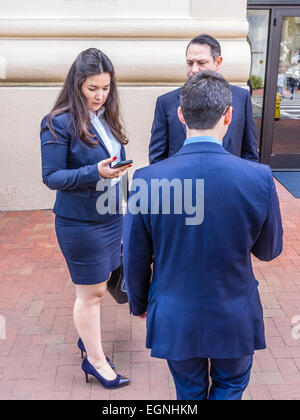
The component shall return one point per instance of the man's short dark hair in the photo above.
(205, 39)
(204, 98)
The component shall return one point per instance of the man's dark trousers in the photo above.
(230, 378)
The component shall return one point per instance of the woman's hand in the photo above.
(105, 171)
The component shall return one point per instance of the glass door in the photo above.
(258, 41)
(286, 132)
(280, 144)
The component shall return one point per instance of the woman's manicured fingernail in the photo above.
(115, 157)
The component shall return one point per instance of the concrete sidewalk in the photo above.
(39, 358)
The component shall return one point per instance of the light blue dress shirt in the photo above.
(203, 139)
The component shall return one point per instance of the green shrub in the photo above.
(256, 82)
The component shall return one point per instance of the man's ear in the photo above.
(218, 63)
(180, 115)
(228, 116)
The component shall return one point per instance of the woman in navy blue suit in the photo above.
(80, 139)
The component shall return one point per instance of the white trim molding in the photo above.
(140, 61)
(122, 28)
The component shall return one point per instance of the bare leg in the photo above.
(86, 315)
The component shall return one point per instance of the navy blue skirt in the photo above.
(92, 250)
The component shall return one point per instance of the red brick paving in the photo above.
(39, 359)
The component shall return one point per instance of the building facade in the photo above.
(146, 42)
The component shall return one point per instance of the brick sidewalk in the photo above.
(39, 358)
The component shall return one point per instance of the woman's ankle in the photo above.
(98, 362)
(103, 368)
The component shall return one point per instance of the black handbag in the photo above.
(116, 285)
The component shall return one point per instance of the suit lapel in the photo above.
(123, 156)
(94, 131)
(101, 142)
(177, 105)
(226, 139)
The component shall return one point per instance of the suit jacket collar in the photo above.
(205, 147)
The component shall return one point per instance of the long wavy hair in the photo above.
(71, 99)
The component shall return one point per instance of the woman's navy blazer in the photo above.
(70, 166)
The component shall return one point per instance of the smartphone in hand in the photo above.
(122, 163)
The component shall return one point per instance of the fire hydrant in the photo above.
(277, 106)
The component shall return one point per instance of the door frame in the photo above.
(281, 161)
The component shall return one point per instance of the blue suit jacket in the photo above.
(168, 133)
(70, 166)
(203, 299)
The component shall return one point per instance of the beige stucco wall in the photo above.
(146, 42)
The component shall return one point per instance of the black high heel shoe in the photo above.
(115, 383)
(83, 350)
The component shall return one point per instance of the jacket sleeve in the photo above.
(159, 142)
(55, 172)
(249, 143)
(137, 257)
(269, 242)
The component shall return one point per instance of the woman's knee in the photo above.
(91, 293)
(101, 290)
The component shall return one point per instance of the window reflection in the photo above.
(258, 40)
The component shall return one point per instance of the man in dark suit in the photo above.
(168, 133)
(202, 301)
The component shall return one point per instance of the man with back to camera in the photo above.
(202, 302)
(168, 133)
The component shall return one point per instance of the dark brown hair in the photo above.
(204, 98)
(71, 99)
(204, 39)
